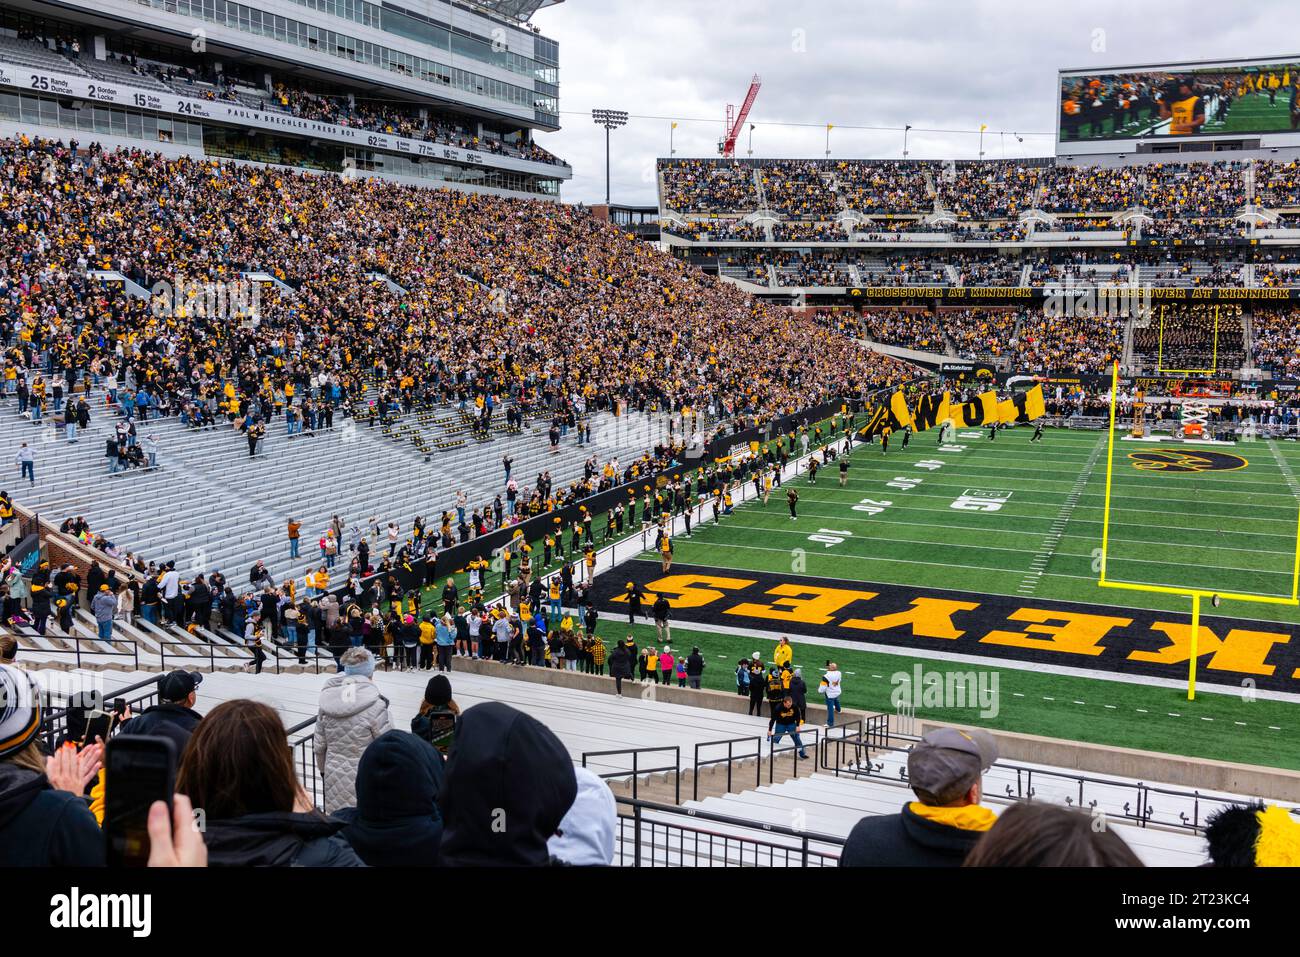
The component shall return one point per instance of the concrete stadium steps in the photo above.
(210, 507)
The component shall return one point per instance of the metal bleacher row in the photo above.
(210, 507)
(721, 830)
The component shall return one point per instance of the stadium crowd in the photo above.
(1276, 338)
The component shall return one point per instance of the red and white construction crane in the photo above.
(736, 121)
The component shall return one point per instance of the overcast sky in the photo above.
(939, 64)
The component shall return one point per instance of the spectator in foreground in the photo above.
(174, 716)
(396, 821)
(1033, 834)
(44, 820)
(352, 714)
(938, 829)
(509, 784)
(238, 769)
(585, 838)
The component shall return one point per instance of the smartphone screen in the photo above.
(141, 769)
(98, 725)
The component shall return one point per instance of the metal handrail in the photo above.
(56, 721)
(1138, 810)
(76, 651)
(637, 770)
(729, 760)
(804, 851)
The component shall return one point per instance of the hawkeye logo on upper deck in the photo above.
(1184, 460)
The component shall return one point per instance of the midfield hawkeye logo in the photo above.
(1186, 460)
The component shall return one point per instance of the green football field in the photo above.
(1025, 521)
(1225, 530)
(1253, 113)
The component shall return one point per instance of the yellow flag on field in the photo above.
(1007, 411)
(1035, 408)
(898, 406)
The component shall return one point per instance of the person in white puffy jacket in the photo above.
(352, 714)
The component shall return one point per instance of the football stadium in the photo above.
(381, 498)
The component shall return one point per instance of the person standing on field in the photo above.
(831, 689)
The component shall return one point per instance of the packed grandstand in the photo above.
(314, 443)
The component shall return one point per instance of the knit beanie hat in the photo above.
(20, 709)
(358, 661)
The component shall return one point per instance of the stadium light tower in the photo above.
(906, 130)
(611, 120)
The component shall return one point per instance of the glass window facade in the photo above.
(241, 17)
(105, 120)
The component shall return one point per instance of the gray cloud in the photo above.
(941, 64)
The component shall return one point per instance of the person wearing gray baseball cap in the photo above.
(938, 829)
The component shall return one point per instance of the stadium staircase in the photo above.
(29, 53)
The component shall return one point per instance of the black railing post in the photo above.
(636, 835)
(677, 757)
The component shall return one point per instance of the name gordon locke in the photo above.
(1232, 652)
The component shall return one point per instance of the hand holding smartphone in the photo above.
(141, 769)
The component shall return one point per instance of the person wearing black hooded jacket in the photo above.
(199, 602)
(620, 665)
(174, 716)
(505, 767)
(694, 667)
(396, 822)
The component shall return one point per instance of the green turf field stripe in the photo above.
(1138, 490)
(1019, 502)
(946, 541)
(780, 520)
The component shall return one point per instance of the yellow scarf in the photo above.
(968, 817)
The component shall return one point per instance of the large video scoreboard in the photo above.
(1113, 109)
